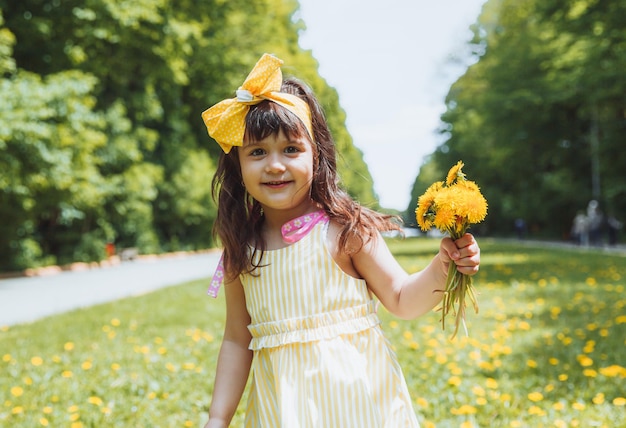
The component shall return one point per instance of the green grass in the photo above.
(545, 350)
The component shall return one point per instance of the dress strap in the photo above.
(292, 232)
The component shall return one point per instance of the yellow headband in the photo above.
(226, 120)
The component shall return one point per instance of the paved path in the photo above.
(31, 298)
(28, 299)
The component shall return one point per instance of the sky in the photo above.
(392, 63)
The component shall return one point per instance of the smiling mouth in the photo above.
(275, 183)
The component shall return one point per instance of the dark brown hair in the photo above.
(239, 217)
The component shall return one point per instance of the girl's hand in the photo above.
(464, 252)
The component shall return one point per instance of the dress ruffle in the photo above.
(322, 326)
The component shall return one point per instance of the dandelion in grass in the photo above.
(619, 401)
(452, 206)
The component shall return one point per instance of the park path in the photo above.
(28, 299)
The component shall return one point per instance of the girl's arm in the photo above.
(233, 364)
(409, 296)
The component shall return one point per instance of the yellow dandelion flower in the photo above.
(454, 381)
(486, 365)
(6, 358)
(36, 361)
(613, 371)
(44, 422)
(590, 373)
(115, 322)
(535, 396)
(424, 213)
(620, 319)
(536, 411)
(455, 173)
(86, 365)
(96, 401)
(445, 219)
(471, 204)
(422, 402)
(478, 390)
(619, 401)
(115, 366)
(465, 409)
(17, 391)
(558, 406)
(598, 398)
(578, 406)
(491, 383)
(68, 346)
(17, 410)
(584, 360)
(47, 410)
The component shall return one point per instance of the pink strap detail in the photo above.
(292, 232)
(218, 278)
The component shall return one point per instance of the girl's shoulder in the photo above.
(343, 258)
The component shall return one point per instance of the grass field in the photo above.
(545, 350)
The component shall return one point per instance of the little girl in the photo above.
(302, 265)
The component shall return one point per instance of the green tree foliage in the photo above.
(539, 119)
(101, 138)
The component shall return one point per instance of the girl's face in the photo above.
(278, 172)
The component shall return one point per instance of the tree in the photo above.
(525, 113)
(101, 131)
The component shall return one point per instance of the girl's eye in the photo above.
(291, 149)
(257, 152)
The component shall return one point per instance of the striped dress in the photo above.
(320, 357)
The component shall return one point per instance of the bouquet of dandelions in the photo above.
(452, 206)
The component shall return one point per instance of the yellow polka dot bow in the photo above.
(225, 121)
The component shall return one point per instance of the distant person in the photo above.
(302, 262)
(580, 229)
(520, 228)
(596, 221)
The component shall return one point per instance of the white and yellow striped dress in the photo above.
(320, 357)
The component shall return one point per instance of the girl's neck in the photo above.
(274, 219)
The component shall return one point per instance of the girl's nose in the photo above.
(274, 164)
